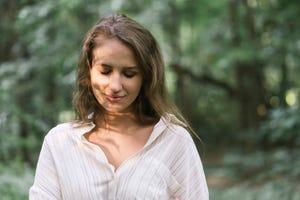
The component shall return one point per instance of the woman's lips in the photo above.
(113, 98)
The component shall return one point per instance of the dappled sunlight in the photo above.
(291, 98)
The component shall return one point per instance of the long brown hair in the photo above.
(153, 101)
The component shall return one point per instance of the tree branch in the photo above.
(204, 78)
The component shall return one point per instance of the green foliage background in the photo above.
(232, 67)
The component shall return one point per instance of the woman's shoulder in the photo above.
(58, 131)
(62, 127)
(177, 128)
(181, 132)
(68, 128)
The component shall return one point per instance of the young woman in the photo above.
(127, 143)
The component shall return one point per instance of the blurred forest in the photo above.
(232, 68)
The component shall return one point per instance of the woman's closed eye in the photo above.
(129, 74)
(105, 71)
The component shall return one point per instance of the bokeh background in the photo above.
(232, 68)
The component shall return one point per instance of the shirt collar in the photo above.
(81, 128)
(159, 127)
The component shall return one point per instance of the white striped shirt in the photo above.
(71, 168)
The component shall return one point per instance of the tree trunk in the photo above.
(23, 96)
(173, 28)
(250, 94)
(248, 74)
(283, 85)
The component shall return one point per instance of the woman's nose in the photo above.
(115, 83)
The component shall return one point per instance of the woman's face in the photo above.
(116, 77)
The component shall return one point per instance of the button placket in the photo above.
(112, 185)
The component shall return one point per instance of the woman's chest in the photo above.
(138, 178)
(117, 148)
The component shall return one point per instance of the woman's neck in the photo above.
(118, 122)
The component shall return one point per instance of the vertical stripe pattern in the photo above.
(167, 167)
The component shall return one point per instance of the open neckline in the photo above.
(156, 131)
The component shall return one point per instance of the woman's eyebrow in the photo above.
(131, 67)
(96, 61)
(105, 64)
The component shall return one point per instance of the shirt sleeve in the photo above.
(46, 184)
(190, 175)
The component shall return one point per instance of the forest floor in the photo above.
(257, 175)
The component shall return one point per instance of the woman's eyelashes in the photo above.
(105, 72)
(129, 74)
(126, 73)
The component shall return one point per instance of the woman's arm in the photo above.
(46, 184)
(191, 175)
